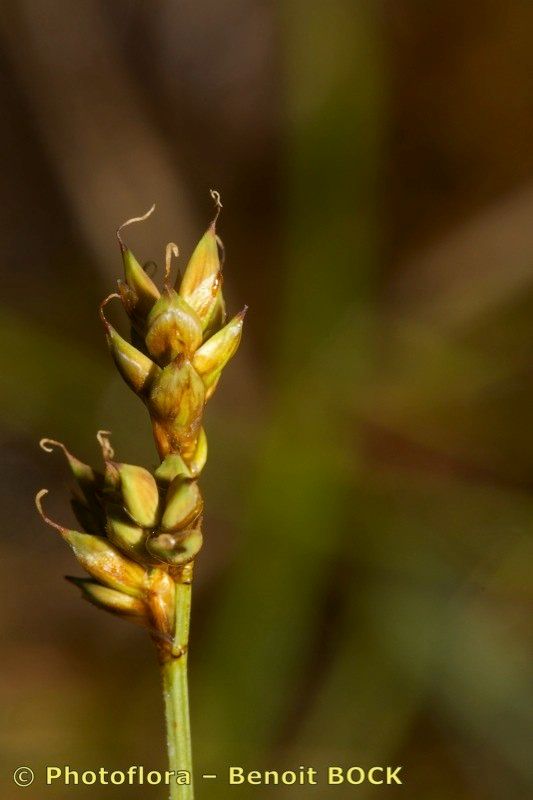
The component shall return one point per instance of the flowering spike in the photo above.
(143, 529)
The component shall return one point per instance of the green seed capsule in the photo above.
(140, 494)
(215, 353)
(183, 503)
(138, 370)
(176, 549)
(125, 534)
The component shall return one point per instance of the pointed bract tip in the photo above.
(48, 445)
(39, 505)
(103, 304)
(172, 249)
(218, 204)
(107, 451)
(243, 312)
(130, 222)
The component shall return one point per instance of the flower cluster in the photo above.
(180, 343)
(141, 529)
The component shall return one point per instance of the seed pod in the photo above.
(201, 284)
(137, 369)
(124, 605)
(126, 535)
(105, 563)
(178, 393)
(183, 503)
(173, 328)
(140, 494)
(176, 549)
(215, 353)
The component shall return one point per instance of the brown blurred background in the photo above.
(363, 596)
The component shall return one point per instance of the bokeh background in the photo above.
(363, 595)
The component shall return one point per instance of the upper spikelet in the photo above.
(180, 340)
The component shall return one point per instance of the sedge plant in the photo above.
(141, 530)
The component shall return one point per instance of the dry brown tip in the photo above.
(48, 445)
(107, 451)
(130, 222)
(38, 502)
(218, 204)
(171, 250)
(103, 305)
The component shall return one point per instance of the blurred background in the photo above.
(363, 596)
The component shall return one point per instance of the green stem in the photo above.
(176, 694)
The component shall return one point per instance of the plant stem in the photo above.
(176, 694)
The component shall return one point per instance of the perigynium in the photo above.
(141, 530)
